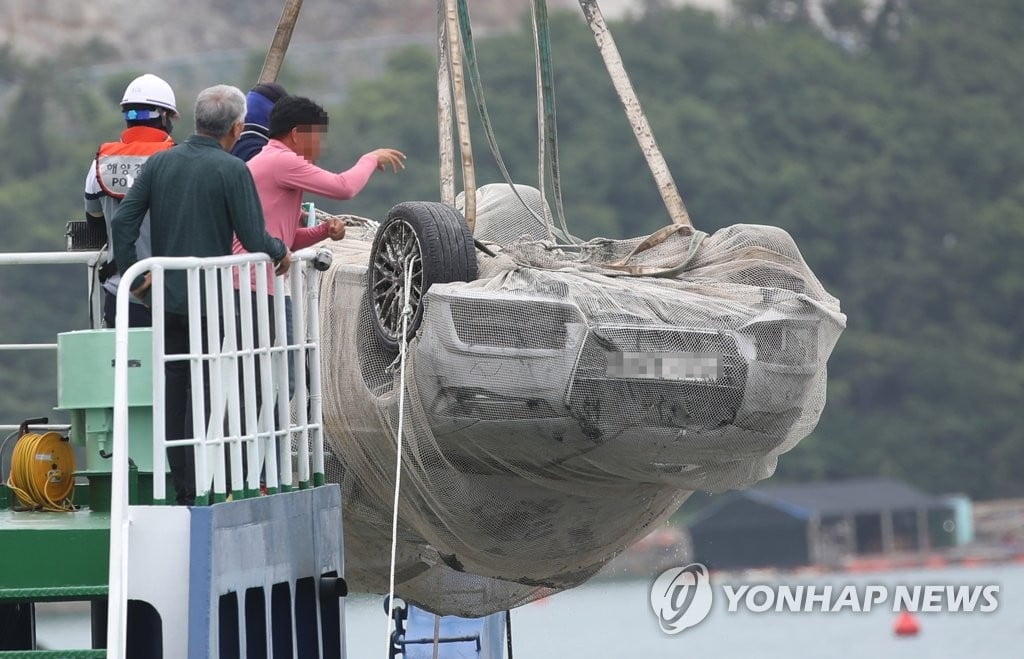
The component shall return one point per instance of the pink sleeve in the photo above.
(304, 175)
(306, 236)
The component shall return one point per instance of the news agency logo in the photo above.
(829, 599)
(681, 597)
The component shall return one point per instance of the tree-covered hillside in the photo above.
(890, 148)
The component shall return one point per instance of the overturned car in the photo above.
(560, 399)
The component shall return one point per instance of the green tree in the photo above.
(890, 148)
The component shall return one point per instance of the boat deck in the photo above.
(53, 556)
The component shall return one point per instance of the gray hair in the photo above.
(218, 108)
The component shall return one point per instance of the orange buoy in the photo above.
(906, 625)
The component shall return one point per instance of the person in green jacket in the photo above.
(198, 197)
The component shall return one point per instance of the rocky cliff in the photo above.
(149, 30)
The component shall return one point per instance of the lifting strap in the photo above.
(635, 114)
(476, 85)
(547, 143)
(454, 43)
(446, 151)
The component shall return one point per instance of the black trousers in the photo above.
(139, 315)
(178, 405)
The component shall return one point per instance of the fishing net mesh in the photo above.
(556, 410)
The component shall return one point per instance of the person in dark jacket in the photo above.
(258, 103)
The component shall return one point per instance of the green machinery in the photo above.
(63, 556)
(85, 388)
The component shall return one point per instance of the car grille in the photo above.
(516, 324)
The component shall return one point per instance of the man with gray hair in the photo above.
(198, 197)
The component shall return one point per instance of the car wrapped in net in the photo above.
(561, 398)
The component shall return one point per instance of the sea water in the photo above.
(614, 620)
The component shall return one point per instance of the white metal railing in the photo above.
(50, 258)
(268, 433)
(89, 259)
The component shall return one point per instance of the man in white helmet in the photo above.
(149, 107)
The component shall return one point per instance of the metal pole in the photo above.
(212, 444)
(266, 411)
(159, 389)
(195, 347)
(635, 114)
(298, 281)
(252, 455)
(315, 401)
(230, 377)
(282, 421)
(117, 622)
(48, 258)
(279, 45)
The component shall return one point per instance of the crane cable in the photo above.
(547, 147)
(547, 137)
(42, 472)
(476, 86)
(407, 313)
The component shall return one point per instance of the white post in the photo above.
(95, 291)
(195, 352)
(249, 369)
(117, 618)
(312, 300)
(230, 382)
(282, 420)
(266, 412)
(159, 388)
(298, 282)
(212, 444)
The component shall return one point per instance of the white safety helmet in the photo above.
(149, 89)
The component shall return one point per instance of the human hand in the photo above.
(335, 229)
(389, 157)
(141, 290)
(282, 264)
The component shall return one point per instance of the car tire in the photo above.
(435, 239)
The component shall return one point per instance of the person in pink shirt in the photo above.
(286, 168)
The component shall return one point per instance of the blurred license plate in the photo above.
(680, 366)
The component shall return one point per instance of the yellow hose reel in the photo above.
(43, 472)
